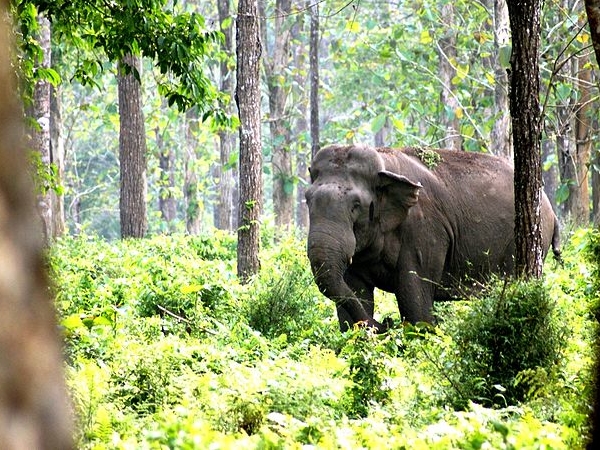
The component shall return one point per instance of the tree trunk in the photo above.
(301, 126)
(40, 135)
(583, 143)
(190, 183)
(248, 51)
(447, 71)
(525, 112)
(132, 149)
(592, 9)
(57, 149)
(226, 210)
(314, 77)
(275, 60)
(501, 139)
(34, 406)
(166, 183)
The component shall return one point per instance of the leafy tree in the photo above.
(176, 41)
(248, 101)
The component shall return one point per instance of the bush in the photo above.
(509, 344)
(370, 366)
(284, 300)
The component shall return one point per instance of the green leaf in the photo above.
(504, 56)
(378, 123)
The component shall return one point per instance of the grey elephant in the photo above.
(409, 221)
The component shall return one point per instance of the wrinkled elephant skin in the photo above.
(383, 218)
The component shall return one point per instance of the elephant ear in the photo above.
(396, 194)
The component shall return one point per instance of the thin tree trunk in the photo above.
(447, 56)
(226, 210)
(40, 133)
(248, 51)
(583, 142)
(166, 183)
(190, 183)
(275, 60)
(501, 138)
(525, 112)
(34, 408)
(132, 150)
(314, 77)
(550, 176)
(57, 149)
(301, 126)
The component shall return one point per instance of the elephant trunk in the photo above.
(330, 251)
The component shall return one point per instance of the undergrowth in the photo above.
(165, 349)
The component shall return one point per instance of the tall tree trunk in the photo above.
(247, 95)
(583, 143)
(190, 183)
(57, 149)
(550, 175)
(40, 133)
(447, 71)
(226, 210)
(525, 112)
(596, 181)
(132, 149)
(314, 77)
(166, 183)
(276, 60)
(34, 407)
(501, 138)
(301, 126)
(592, 9)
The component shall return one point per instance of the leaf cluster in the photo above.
(177, 42)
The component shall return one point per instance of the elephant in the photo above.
(412, 221)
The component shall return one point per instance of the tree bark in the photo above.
(275, 60)
(583, 143)
(34, 408)
(525, 112)
(248, 49)
(314, 78)
(41, 142)
(190, 183)
(592, 8)
(57, 150)
(166, 183)
(447, 58)
(301, 125)
(226, 173)
(132, 149)
(501, 138)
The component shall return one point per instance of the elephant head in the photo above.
(353, 201)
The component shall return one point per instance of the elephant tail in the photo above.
(556, 241)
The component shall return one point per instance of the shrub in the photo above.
(508, 345)
(369, 363)
(284, 301)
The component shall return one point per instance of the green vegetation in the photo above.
(167, 350)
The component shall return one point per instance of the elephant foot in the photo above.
(377, 326)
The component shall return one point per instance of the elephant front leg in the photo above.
(415, 293)
(364, 293)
